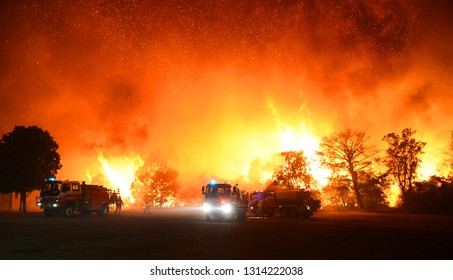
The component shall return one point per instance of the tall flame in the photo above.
(392, 195)
(120, 172)
(300, 139)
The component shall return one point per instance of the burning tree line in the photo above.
(355, 180)
(358, 177)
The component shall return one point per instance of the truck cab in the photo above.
(223, 201)
(56, 194)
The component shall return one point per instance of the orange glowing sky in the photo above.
(207, 85)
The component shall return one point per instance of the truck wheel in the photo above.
(48, 212)
(104, 210)
(68, 211)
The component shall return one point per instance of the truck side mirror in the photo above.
(202, 190)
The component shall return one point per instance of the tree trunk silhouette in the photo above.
(23, 202)
(355, 185)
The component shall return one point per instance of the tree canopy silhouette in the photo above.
(157, 185)
(294, 172)
(403, 159)
(28, 155)
(346, 152)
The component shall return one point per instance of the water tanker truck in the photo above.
(287, 203)
(68, 197)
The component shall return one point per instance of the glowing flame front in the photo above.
(293, 140)
(120, 172)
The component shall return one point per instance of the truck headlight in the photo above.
(39, 204)
(55, 205)
(206, 207)
(227, 208)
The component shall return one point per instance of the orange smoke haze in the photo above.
(211, 86)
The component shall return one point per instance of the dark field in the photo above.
(182, 233)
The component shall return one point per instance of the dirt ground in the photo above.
(183, 234)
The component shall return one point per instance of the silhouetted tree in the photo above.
(28, 156)
(157, 184)
(294, 172)
(433, 196)
(345, 152)
(337, 193)
(403, 159)
(373, 187)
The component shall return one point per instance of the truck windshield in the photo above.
(51, 189)
(223, 190)
(220, 189)
(66, 188)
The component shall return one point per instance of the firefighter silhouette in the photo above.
(147, 207)
(261, 209)
(119, 204)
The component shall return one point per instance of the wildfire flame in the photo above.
(300, 139)
(374, 65)
(120, 172)
(294, 140)
(392, 195)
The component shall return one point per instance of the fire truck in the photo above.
(68, 197)
(223, 201)
(288, 203)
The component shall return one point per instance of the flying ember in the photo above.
(219, 88)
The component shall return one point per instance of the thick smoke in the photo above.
(192, 80)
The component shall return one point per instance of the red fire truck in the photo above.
(67, 197)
